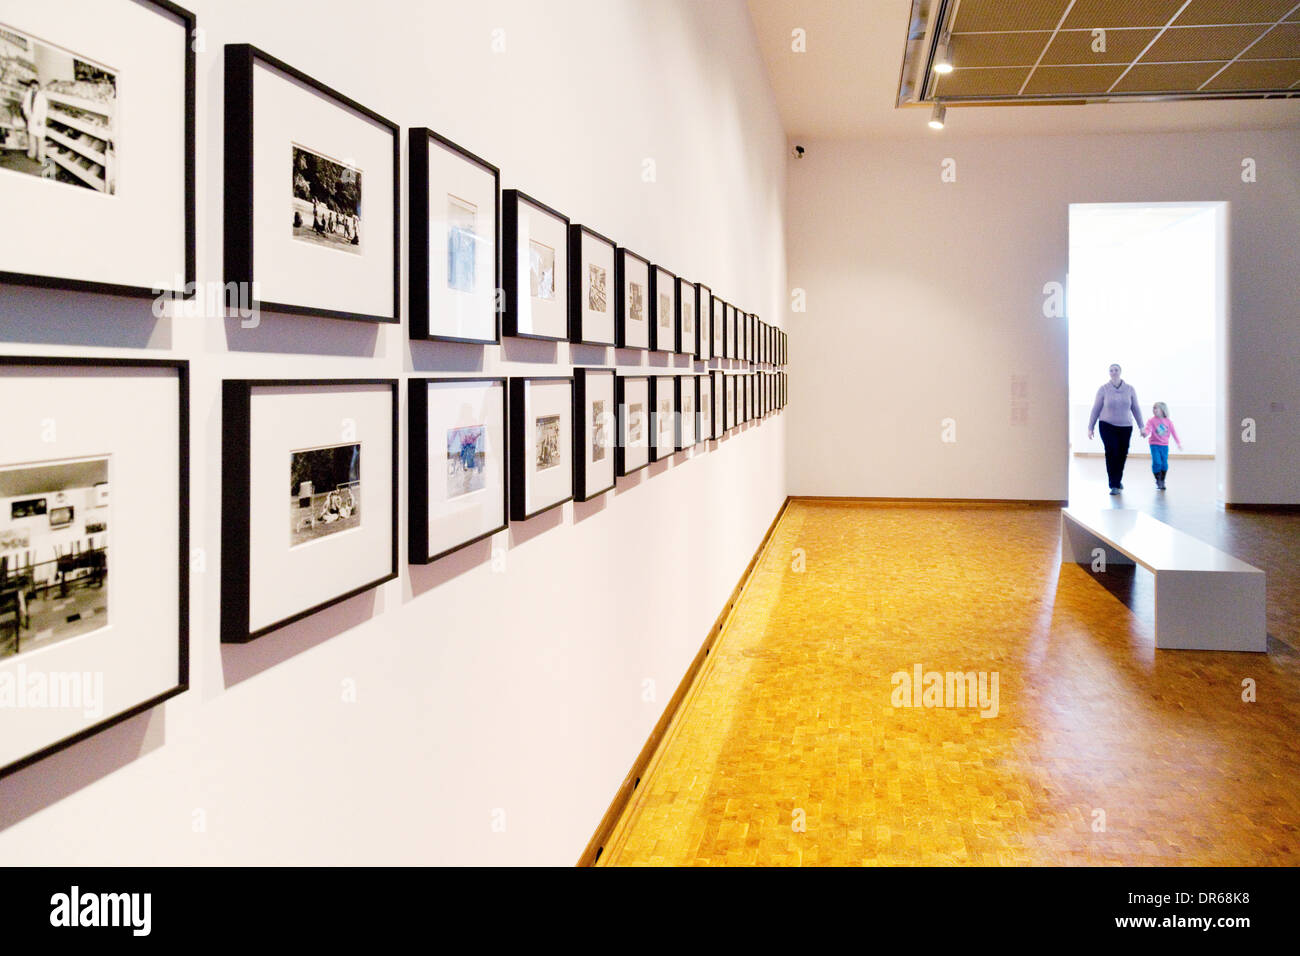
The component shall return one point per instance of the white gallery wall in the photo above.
(925, 302)
(484, 709)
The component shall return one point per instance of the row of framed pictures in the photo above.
(482, 452)
(323, 237)
(94, 504)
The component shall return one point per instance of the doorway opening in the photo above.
(1148, 291)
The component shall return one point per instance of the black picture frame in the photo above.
(581, 378)
(420, 139)
(621, 255)
(237, 250)
(236, 522)
(658, 384)
(657, 275)
(577, 331)
(189, 236)
(510, 200)
(718, 401)
(417, 522)
(517, 460)
(704, 332)
(687, 384)
(182, 371)
(620, 411)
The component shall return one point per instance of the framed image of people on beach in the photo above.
(311, 195)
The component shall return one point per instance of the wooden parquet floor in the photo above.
(789, 751)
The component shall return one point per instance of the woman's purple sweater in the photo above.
(1114, 404)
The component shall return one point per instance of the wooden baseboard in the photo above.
(1286, 509)
(633, 779)
(926, 502)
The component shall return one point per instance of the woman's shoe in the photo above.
(1114, 491)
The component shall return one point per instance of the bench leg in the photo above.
(1078, 545)
(1210, 611)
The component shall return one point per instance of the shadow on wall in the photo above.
(60, 775)
(83, 318)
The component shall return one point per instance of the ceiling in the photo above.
(1073, 48)
(846, 83)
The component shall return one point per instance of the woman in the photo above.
(1116, 400)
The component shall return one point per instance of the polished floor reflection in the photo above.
(794, 746)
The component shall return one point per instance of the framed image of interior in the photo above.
(632, 300)
(703, 322)
(535, 240)
(107, 490)
(456, 466)
(663, 310)
(688, 326)
(594, 422)
(704, 407)
(718, 320)
(455, 242)
(97, 133)
(332, 445)
(632, 413)
(591, 287)
(688, 409)
(541, 444)
(663, 416)
(311, 195)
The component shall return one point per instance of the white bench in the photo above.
(1205, 600)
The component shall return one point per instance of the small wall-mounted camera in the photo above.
(798, 152)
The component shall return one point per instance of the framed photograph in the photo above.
(536, 242)
(311, 195)
(663, 416)
(688, 338)
(663, 310)
(632, 411)
(688, 407)
(735, 345)
(455, 245)
(97, 135)
(457, 464)
(591, 287)
(332, 445)
(94, 547)
(632, 300)
(717, 423)
(785, 389)
(541, 445)
(718, 322)
(704, 321)
(728, 401)
(704, 418)
(751, 338)
(593, 432)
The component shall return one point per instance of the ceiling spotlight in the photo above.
(943, 56)
(937, 117)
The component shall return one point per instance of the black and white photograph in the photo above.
(58, 112)
(635, 423)
(636, 295)
(547, 442)
(54, 521)
(597, 291)
(324, 492)
(599, 430)
(326, 201)
(541, 270)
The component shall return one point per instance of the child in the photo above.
(1158, 431)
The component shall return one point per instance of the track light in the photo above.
(937, 117)
(943, 56)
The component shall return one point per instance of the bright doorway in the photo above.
(1148, 290)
